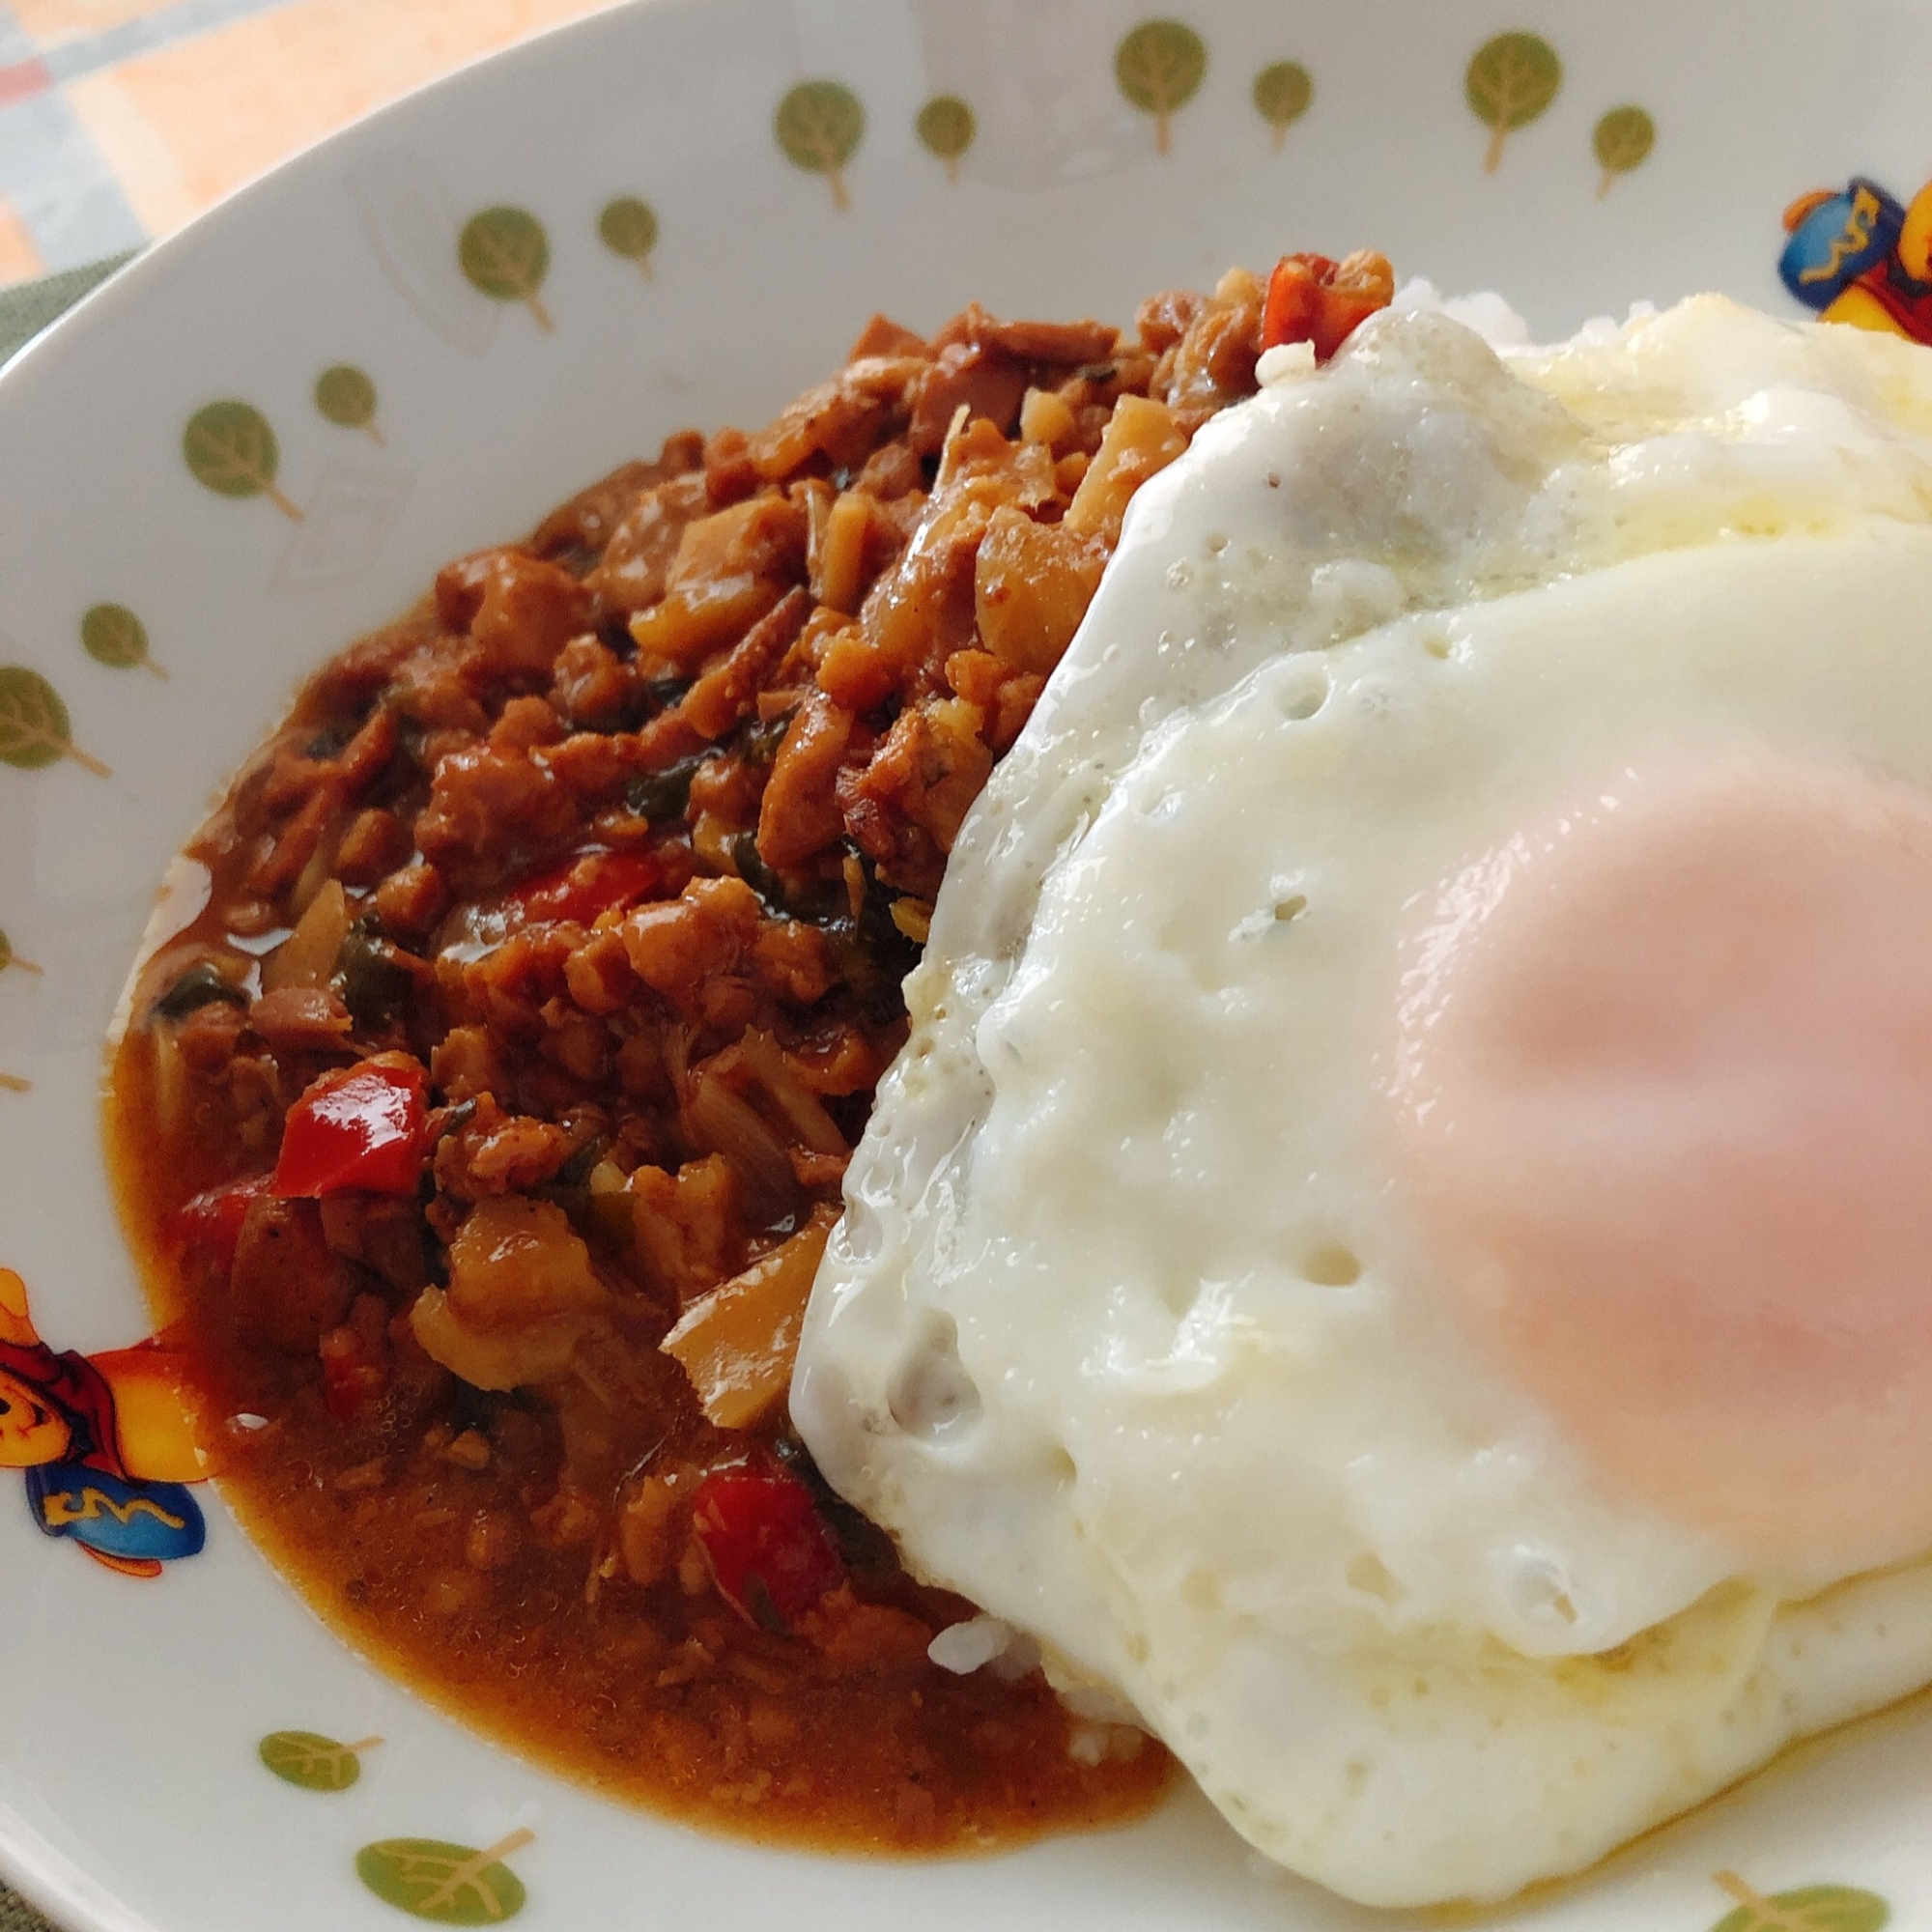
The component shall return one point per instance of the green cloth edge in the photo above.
(18, 1916)
(24, 311)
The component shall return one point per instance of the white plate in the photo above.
(131, 1790)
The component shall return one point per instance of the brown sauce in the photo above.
(661, 1697)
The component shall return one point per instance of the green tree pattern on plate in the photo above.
(1511, 80)
(346, 396)
(1159, 67)
(448, 1884)
(1282, 94)
(506, 253)
(35, 730)
(819, 125)
(230, 449)
(312, 1761)
(946, 129)
(1623, 140)
(111, 635)
(629, 227)
(1811, 1908)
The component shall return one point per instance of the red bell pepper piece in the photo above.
(582, 887)
(1311, 298)
(211, 1222)
(359, 1126)
(771, 1555)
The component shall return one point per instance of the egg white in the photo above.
(1125, 1334)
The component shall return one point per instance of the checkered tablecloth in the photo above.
(120, 119)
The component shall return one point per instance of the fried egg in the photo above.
(1397, 1248)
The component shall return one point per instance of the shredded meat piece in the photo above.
(208, 1036)
(300, 1020)
(799, 813)
(522, 1296)
(288, 1287)
(583, 527)
(478, 797)
(595, 689)
(905, 809)
(683, 1224)
(412, 899)
(728, 692)
(494, 1153)
(385, 1236)
(678, 946)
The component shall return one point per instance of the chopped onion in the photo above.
(308, 956)
(725, 1123)
(804, 1112)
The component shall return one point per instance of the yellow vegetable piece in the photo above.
(738, 1342)
(1140, 439)
(307, 957)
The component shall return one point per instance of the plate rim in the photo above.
(30, 1860)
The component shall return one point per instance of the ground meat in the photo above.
(286, 1286)
(618, 849)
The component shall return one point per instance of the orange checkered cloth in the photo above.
(120, 119)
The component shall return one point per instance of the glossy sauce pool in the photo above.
(660, 1696)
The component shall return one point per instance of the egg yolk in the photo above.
(1663, 1092)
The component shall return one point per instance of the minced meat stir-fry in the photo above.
(485, 1130)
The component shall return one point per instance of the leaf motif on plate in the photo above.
(35, 730)
(1811, 1908)
(946, 129)
(819, 125)
(346, 396)
(1281, 94)
(231, 449)
(506, 253)
(450, 1885)
(314, 1762)
(9, 957)
(1512, 79)
(1159, 67)
(1621, 141)
(629, 227)
(112, 635)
